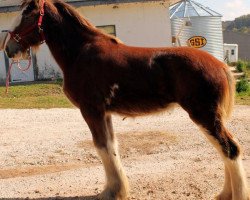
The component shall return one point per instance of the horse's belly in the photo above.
(139, 106)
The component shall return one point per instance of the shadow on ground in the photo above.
(55, 198)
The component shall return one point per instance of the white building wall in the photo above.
(47, 66)
(137, 24)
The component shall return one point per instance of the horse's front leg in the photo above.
(105, 142)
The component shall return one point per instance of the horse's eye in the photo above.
(30, 7)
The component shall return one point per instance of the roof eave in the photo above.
(107, 2)
(80, 3)
(9, 9)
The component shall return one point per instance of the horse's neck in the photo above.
(65, 38)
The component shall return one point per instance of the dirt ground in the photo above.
(48, 154)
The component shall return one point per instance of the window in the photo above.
(232, 52)
(109, 29)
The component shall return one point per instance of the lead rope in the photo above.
(19, 67)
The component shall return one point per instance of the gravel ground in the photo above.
(48, 154)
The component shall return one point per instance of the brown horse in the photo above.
(104, 76)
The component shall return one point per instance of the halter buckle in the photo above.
(17, 38)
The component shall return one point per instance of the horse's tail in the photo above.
(227, 100)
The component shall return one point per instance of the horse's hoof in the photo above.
(108, 194)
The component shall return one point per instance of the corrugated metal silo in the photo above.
(190, 19)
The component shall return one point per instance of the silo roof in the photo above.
(189, 8)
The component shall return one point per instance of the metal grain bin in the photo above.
(190, 19)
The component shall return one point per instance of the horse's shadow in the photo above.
(56, 198)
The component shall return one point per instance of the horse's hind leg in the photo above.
(106, 145)
(211, 124)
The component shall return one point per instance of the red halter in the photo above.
(18, 37)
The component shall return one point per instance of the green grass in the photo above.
(243, 98)
(50, 95)
(42, 95)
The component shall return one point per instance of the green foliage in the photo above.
(242, 86)
(59, 81)
(240, 24)
(248, 65)
(241, 66)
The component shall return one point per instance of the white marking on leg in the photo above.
(227, 189)
(238, 180)
(236, 173)
(117, 183)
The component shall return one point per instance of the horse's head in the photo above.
(27, 30)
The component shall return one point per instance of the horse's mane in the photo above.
(64, 8)
(71, 13)
(81, 21)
